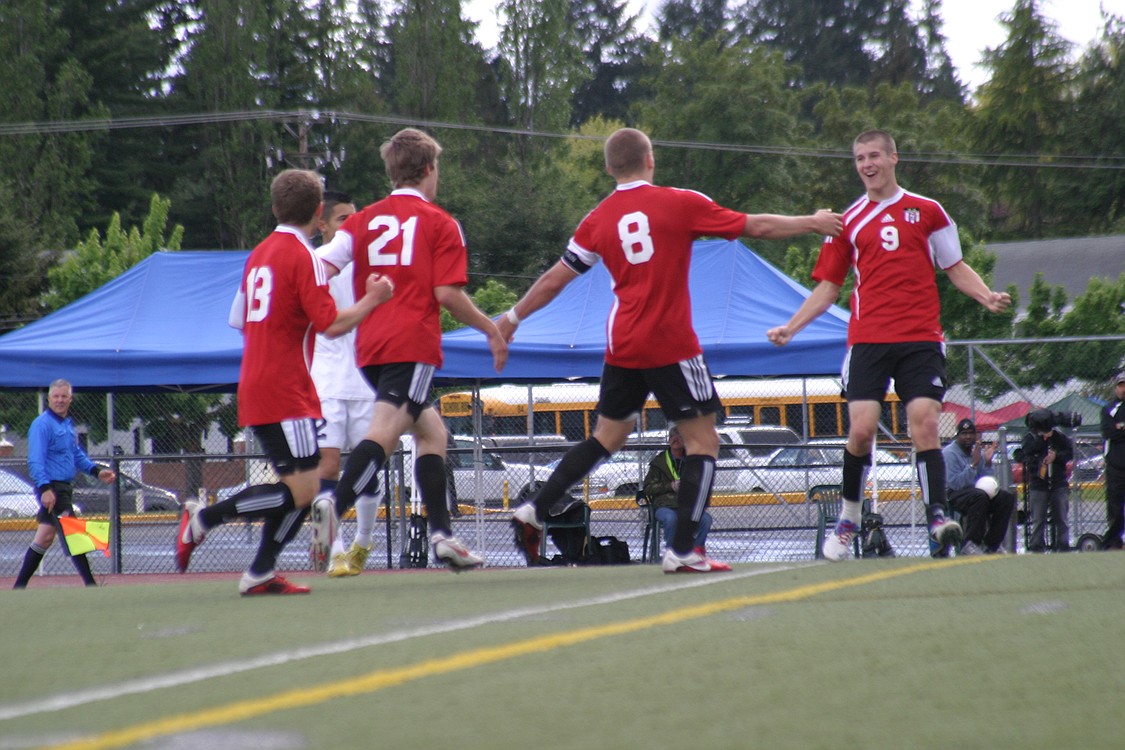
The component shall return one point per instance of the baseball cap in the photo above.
(1120, 378)
(966, 425)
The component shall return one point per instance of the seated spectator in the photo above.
(985, 513)
(662, 483)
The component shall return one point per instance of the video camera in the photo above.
(1041, 420)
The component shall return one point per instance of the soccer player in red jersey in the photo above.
(282, 302)
(644, 233)
(409, 238)
(893, 239)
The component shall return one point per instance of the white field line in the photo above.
(64, 701)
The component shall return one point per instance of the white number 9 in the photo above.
(890, 238)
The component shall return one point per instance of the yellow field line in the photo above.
(385, 678)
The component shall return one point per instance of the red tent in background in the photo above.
(986, 421)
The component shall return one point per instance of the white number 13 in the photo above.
(391, 229)
(635, 238)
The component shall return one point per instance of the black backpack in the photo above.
(875, 542)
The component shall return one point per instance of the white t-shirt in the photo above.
(333, 367)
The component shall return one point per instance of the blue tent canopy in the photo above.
(736, 297)
(162, 325)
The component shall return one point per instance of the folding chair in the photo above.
(829, 503)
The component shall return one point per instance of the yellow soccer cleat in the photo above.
(338, 566)
(357, 558)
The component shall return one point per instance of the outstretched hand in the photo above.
(827, 222)
(507, 330)
(499, 347)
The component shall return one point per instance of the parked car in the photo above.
(750, 445)
(1090, 469)
(795, 468)
(17, 496)
(92, 496)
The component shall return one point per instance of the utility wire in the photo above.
(1039, 161)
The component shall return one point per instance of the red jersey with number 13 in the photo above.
(893, 246)
(285, 301)
(644, 233)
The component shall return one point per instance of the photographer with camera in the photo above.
(1113, 432)
(974, 492)
(1046, 452)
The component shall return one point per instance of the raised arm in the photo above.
(822, 297)
(377, 290)
(545, 289)
(779, 227)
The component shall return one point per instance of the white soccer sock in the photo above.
(852, 510)
(366, 509)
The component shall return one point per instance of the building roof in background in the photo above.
(1069, 263)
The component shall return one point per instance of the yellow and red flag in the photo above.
(84, 536)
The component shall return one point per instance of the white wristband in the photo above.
(512, 317)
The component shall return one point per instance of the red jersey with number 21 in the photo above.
(420, 247)
(644, 233)
(893, 245)
(284, 301)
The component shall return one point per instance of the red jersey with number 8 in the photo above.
(644, 233)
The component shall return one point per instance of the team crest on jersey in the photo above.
(912, 215)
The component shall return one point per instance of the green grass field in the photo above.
(998, 652)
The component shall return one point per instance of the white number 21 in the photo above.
(391, 229)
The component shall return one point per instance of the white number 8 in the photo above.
(635, 238)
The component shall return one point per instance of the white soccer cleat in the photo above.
(693, 562)
(838, 545)
(324, 524)
(451, 551)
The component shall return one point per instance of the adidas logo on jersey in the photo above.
(888, 219)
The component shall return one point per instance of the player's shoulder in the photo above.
(922, 200)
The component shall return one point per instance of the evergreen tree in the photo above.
(616, 56)
(46, 183)
(1094, 199)
(1020, 113)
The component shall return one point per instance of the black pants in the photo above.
(1114, 506)
(984, 519)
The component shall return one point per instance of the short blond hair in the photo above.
(625, 151)
(876, 135)
(295, 196)
(407, 156)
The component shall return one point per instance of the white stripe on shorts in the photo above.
(420, 383)
(300, 436)
(698, 378)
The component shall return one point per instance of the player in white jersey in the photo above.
(347, 403)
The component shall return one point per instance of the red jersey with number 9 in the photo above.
(284, 301)
(420, 247)
(893, 245)
(644, 233)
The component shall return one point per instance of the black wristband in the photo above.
(44, 487)
(96, 470)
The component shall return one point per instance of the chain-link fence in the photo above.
(780, 437)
